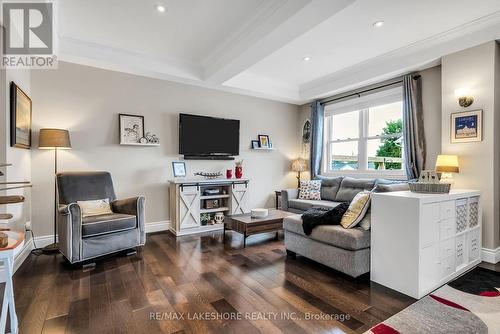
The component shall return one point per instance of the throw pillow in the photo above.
(95, 207)
(310, 190)
(357, 209)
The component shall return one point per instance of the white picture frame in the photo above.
(466, 126)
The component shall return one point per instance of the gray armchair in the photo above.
(85, 238)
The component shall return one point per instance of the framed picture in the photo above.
(467, 126)
(306, 132)
(255, 144)
(131, 129)
(179, 168)
(20, 118)
(264, 141)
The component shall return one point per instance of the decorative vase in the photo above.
(239, 172)
(229, 173)
(219, 218)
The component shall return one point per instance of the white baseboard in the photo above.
(157, 226)
(25, 252)
(44, 240)
(490, 255)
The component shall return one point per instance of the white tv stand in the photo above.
(187, 202)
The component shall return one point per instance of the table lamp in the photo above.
(54, 139)
(446, 165)
(299, 165)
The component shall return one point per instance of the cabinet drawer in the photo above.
(446, 228)
(447, 209)
(429, 226)
(446, 248)
(446, 267)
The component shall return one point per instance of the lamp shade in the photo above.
(54, 138)
(299, 165)
(447, 164)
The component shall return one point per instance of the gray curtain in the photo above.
(317, 120)
(413, 126)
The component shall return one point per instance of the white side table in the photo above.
(7, 254)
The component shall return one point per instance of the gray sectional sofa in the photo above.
(346, 250)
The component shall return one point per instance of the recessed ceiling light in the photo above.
(306, 58)
(378, 24)
(161, 8)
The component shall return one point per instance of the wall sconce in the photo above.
(464, 97)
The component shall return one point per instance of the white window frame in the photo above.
(362, 107)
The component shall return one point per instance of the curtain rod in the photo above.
(358, 93)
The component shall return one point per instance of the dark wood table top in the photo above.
(274, 214)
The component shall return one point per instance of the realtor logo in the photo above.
(28, 35)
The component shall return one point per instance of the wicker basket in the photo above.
(429, 188)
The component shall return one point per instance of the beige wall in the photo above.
(87, 101)
(475, 68)
(19, 158)
(431, 105)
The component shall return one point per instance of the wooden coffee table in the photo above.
(246, 225)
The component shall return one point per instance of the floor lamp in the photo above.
(54, 139)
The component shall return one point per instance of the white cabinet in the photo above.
(239, 198)
(421, 241)
(188, 201)
(189, 207)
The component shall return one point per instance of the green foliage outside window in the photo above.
(391, 147)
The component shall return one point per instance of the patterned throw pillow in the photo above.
(310, 190)
(357, 209)
(95, 207)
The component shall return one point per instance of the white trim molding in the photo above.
(21, 256)
(158, 226)
(490, 255)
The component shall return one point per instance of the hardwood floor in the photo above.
(171, 283)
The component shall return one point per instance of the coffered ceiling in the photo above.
(287, 50)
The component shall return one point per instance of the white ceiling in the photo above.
(256, 47)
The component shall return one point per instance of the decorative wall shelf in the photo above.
(11, 199)
(139, 144)
(264, 149)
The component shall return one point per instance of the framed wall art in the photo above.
(264, 141)
(467, 126)
(20, 118)
(131, 129)
(179, 168)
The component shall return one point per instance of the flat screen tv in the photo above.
(208, 137)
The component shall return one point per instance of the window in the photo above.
(365, 135)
